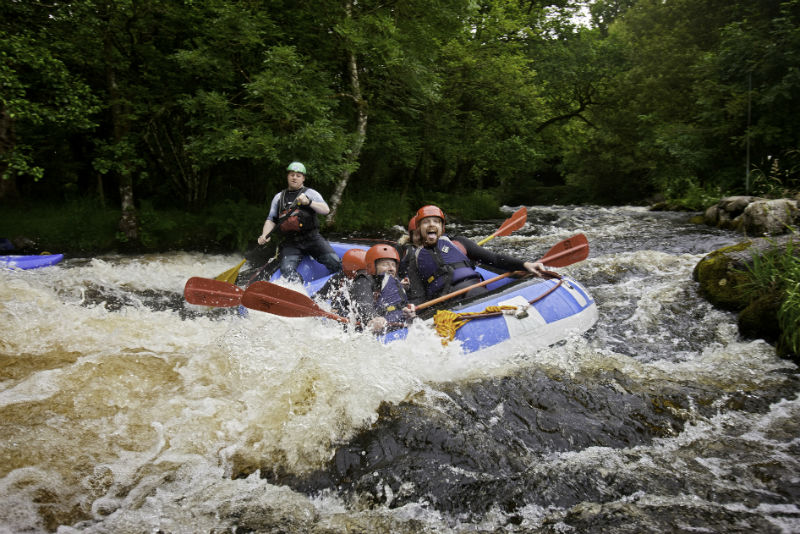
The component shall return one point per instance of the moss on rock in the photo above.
(722, 275)
(727, 283)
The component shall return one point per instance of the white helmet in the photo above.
(296, 166)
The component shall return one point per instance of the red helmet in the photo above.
(379, 252)
(352, 261)
(428, 211)
(412, 224)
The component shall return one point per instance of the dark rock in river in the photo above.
(724, 281)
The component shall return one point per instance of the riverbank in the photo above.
(759, 279)
(86, 227)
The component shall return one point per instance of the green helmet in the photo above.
(296, 166)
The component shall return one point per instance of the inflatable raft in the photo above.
(29, 262)
(545, 311)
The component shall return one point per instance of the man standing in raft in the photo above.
(294, 210)
(443, 265)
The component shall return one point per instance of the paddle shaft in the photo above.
(548, 258)
(463, 290)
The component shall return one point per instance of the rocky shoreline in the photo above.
(754, 216)
(723, 274)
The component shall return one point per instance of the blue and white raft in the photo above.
(29, 262)
(547, 310)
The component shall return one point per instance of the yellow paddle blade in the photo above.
(231, 274)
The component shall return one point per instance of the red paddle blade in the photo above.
(566, 252)
(513, 223)
(208, 292)
(278, 300)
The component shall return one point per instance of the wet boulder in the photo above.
(754, 215)
(727, 213)
(769, 217)
(724, 278)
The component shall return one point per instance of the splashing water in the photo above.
(125, 409)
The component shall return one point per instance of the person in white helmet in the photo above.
(293, 213)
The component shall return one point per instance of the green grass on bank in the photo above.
(775, 276)
(74, 226)
(85, 227)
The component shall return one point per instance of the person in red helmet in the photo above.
(442, 264)
(378, 297)
(337, 290)
(406, 246)
(413, 231)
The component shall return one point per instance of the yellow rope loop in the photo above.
(447, 322)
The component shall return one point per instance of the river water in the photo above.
(125, 410)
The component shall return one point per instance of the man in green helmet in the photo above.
(294, 212)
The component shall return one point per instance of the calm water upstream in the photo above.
(124, 410)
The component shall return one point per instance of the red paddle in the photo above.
(566, 252)
(272, 298)
(208, 292)
(513, 223)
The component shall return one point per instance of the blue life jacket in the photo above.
(391, 299)
(443, 266)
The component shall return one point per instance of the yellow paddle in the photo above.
(231, 274)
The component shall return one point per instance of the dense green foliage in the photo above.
(151, 106)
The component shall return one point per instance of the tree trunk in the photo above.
(128, 222)
(361, 128)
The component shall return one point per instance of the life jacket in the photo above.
(295, 218)
(443, 266)
(390, 298)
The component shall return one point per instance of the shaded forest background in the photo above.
(145, 115)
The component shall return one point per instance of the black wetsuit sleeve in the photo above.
(405, 252)
(416, 289)
(478, 254)
(362, 298)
